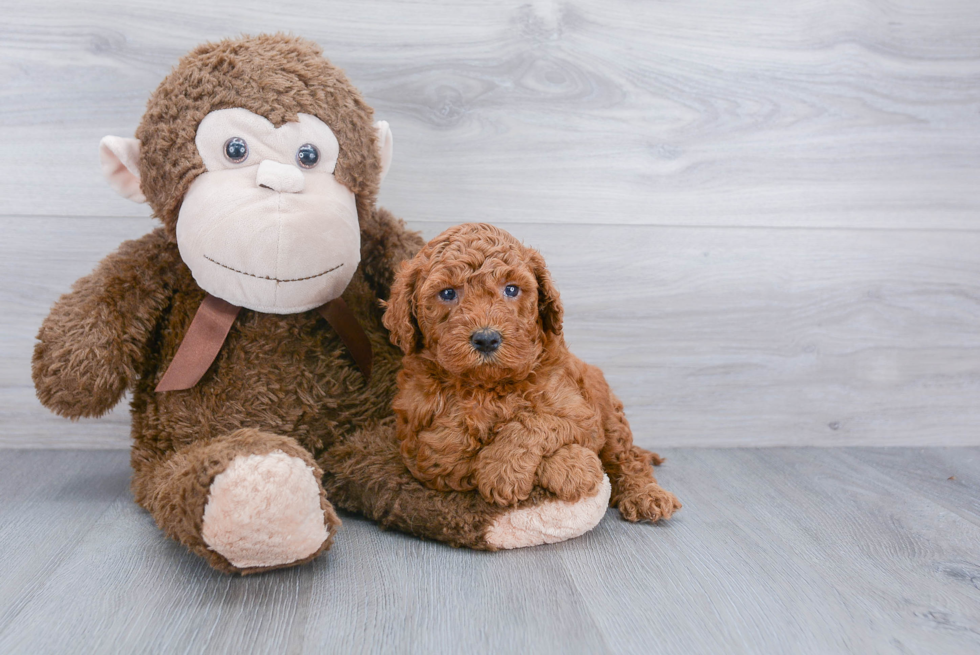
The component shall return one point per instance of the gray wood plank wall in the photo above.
(764, 217)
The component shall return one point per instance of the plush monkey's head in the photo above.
(258, 155)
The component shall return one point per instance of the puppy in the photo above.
(489, 397)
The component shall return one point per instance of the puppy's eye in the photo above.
(308, 156)
(448, 295)
(236, 150)
(512, 291)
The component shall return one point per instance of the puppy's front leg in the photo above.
(505, 468)
(572, 472)
(441, 456)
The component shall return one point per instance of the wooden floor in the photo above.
(776, 551)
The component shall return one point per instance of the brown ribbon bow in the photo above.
(210, 327)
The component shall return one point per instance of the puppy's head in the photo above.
(477, 302)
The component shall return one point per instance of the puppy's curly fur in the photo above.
(502, 419)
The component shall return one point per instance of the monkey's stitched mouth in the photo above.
(274, 279)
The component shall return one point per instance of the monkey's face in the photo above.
(267, 226)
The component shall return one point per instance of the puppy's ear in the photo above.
(549, 304)
(399, 315)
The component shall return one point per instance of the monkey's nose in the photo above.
(279, 177)
(486, 340)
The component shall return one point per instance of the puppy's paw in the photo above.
(503, 489)
(572, 472)
(651, 503)
(505, 474)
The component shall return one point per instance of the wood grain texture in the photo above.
(763, 216)
(776, 551)
(727, 336)
(823, 112)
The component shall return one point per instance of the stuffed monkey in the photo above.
(248, 327)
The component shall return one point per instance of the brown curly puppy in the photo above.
(490, 398)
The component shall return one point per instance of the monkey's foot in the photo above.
(549, 522)
(265, 511)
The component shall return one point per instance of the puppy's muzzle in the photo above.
(485, 340)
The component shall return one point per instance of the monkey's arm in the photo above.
(385, 243)
(92, 343)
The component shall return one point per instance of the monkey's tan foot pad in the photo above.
(551, 522)
(264, 510)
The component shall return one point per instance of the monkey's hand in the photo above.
(91, 344)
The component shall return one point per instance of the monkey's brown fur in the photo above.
(270, 75)
(528, 414)
(280, 382)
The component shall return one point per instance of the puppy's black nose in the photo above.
(486, 340)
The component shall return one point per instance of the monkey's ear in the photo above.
(386, 146)
(121, 166)
(399, 316)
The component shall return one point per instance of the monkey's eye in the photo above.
(307, 156)
(448, 295)
(512, 291)
(236, 150)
